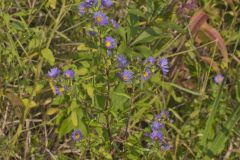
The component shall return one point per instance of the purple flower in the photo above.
(77, 135)
(163, 64)
(150, 60)
(156, 135)
(54, 72)
(59, 90)
(100, 18)
(218, 78)
(92, 33)
(127, 75)
(69, 73)
(164, 114)
(114, 23)
(83, 8)
(91, 3)
(146, 75)
(110, 42)
(156, 125)
(108, 52)
(122, 61)
(158, 116)
(107, 3)
(165, 147)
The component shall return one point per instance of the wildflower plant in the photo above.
(103, 79)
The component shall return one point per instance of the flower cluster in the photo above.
(54, 73)
(185, 8)
(100, 20)
(158, 125)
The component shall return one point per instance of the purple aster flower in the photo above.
(164, 114)
(91, 3)
(59, 90)
(122, 61)
(69, 73)
(156, 135)
(163, 64)
(127, 75)
(114, 23)
(54, 72)
(110, 42)
(92, 33)
(108, 52)
(101, 18)
(83, 8)
(218, 78)
(107, 3)
(150, 60)
(77, 135)
(156, 125)
(146, 75)
(165, 147)
(158, 116)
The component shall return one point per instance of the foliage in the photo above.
(102, 79)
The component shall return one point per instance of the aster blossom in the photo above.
(91, 3)
(122, 61)
(83, 8)
(100, 18)
(151, 60)
(59, 90)
(127, 75)
(157, 125)
(218, 78)
(107, 3)
(163, 64)
(54, 72)
(146, 75)
(156, 135)
(114, 23)
(69, 73)
(110, 43)
(77, 135)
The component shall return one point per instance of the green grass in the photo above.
(112, 115)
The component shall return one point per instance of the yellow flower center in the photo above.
(99, 19)
(125, 78)
(108, 44)
(77, 136)
(61, 89)
(220, 79)
(145, 74)
(67, 75)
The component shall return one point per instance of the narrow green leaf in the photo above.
(48, 55)
(74, 118)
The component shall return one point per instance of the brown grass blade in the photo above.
(213, 34)
(212, 63)
(196, 21)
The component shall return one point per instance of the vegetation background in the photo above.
(199, 38)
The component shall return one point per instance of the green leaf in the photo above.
(222, 137)
(51, 111)
(66, 127)
(118, 97)
(82, 127)
(74, 118)
(52, 3)
(48, 55)
(136, 12)
(149, 35)
(144, 50)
